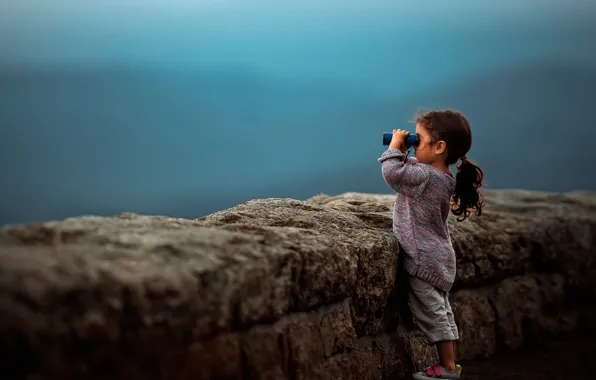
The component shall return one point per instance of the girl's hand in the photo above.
(398, 139)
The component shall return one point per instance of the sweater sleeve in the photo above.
(403, 174)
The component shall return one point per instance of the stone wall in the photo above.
(283, 289)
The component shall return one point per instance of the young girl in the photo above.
(427, 192)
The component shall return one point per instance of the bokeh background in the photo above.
(184, 107)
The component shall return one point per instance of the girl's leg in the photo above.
(446, 350)
(432, 314)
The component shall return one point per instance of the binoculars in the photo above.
(411, 140)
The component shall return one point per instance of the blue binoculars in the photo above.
(411, 140)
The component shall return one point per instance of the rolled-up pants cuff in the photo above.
(441, 334)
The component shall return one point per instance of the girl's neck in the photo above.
(442, 167)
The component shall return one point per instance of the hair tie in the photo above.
(464, 157)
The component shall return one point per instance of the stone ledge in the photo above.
(261, 290)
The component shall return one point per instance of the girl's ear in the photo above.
(440, 147)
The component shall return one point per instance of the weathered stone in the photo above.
(518, 231)
(265, 353)
(217, 358)
(530, 307)
(337, 331)
(419, 353)
(395, 360)
(282, 289)
(517, 302)
(476, 322)
(361, 363)
(347, 256)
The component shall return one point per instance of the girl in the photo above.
(426, 192)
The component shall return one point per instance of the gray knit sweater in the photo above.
(420, 217)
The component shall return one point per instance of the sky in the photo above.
(110, 30)
(187, 107)
(288, 38)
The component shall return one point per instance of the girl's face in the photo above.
(425, 151)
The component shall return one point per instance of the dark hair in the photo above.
(453, 128)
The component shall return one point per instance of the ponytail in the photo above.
(453, 129)
(466, 196)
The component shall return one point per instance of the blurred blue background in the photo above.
(184, 107)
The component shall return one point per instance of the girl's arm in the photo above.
(405, 177)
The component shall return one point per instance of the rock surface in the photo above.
(282, 289)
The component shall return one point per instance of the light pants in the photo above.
(431, 311)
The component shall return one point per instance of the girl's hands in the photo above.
(398, 139)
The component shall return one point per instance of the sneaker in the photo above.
(437, 371)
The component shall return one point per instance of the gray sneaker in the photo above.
(437, 371)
